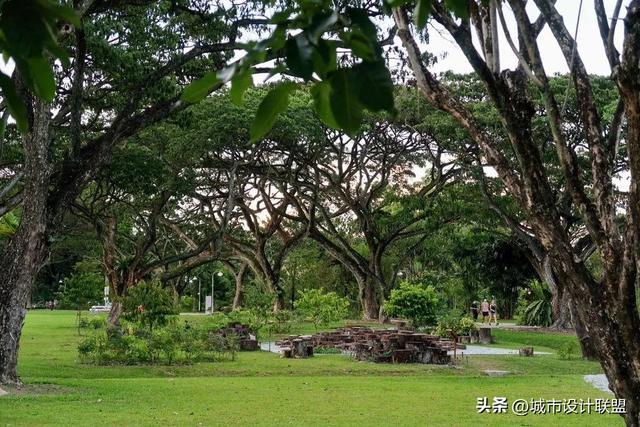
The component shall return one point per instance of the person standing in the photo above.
(493, 311)
(484, 309)
(474, 310)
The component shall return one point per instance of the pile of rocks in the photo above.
(381, 346)
(246, 339)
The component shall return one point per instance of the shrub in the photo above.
(467, 326)
(413, 302)
(186, 303)
(86, 347)
(83, 323)
(162, 343)
(321, 308)
(97, 323)
(534, 305)
(538, 313)
(567, 350)
(454, 324)
(134, 343)
(281, 322)
(149, 304)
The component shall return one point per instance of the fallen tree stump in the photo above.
(485, 335)
(246, 338)
(526, 351)
(380, 346)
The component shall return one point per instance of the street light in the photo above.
(199, 303)
(213, 288)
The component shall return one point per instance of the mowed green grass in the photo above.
(259, 388)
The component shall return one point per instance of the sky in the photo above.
(589, 43)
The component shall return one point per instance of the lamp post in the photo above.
(213, 288)
(199, 304)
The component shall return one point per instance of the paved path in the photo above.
(478, 350)
(471, 350)
(598, 381)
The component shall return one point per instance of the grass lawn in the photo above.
(259, 388)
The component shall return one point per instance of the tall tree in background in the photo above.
(357, 197)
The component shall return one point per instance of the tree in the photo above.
(270, 235)
(358, 196)
(320, 307)
(614, 331)
(120, 82)
(123, 81)
(81, 291)
(145, 208)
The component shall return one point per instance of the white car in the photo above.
(100, 308)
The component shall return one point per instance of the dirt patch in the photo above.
(36, 389)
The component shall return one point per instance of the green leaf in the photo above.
(325, 57)
(346, 108)
(421, 13)
(360, 45)
(299, 53)
(200, 88)
(375, 85)
(282, 16)
(459, 7)
(360, 19)
(44, 82)
(321, 23)
(321, 93)
(271, 106)
(239, 84)
(14, 103)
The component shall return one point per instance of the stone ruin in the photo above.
(380, 346)
(246, 339)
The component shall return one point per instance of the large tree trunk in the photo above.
(586, 343)
(238, 297)
(23, 255)
(561, 307)
(279, 301)
(564, 313)
(113, 319)
(615, 332)
(369, 297)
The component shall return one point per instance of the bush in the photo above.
(83, 323)
(186, 303)
(149, 304)
(534, 305)
(134, 343)
(413, 302)
(281, 322)
(454, 324)
(567, 350)
(538, 313)
(321, 308)
(467, 326)
(97, 323)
